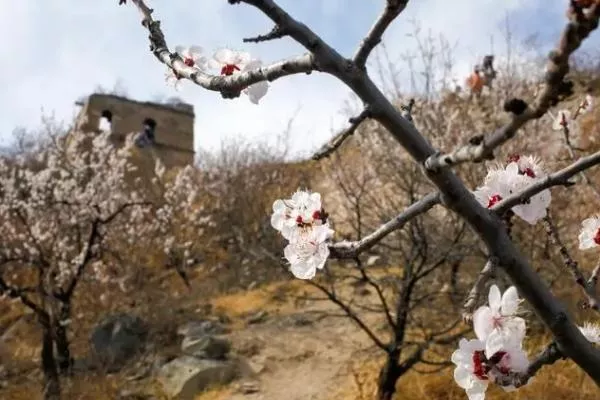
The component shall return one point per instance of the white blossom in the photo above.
(501, 183)
(589, 236)
(497, 324)
(229, 61)
(192, 56)
(309, 251)
(591, 332)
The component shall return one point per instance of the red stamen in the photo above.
(478, 366)
(316, 215)
(529, 172)
(514, 158)
(597, 237)
(229, 69)
(299, 220)
(493, 200)
(189, 61)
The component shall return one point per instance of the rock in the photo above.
(206, 346)
(185, 377)
(202, 327)
(117, 340)
(249, 387)
(258, 317)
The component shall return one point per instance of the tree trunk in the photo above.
(63, 352)
(388, 376)
(51, 378)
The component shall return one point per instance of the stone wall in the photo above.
(174, 124)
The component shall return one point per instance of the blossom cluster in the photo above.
(497, 351)
(502, 182)
(225, 61)
(303, 222)
(497, 354)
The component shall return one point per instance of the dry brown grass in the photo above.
(276, 297)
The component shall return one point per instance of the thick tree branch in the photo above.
(393, 8)
(229, 86)
(557, 178)
(556, 68)
(352, 249)
(331, 146)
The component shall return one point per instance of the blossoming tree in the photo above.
(65, 213)
(519, 188)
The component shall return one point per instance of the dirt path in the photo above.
(301, 362)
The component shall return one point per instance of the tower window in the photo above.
(105, 123)
(147, 136)
(149, 128)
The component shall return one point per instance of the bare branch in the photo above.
(276, 33)
(476, 291)
(384, 304)
(350, 313)
(556, 68)
(593, 301)
(341, 137)
(557, 178)
(352, 249)
(229, 86)
(393, 8)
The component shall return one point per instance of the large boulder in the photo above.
(117, 339)
(187, 376)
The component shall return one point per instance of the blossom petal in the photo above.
(483, 322)
(257, 91)
(463, 377)
(495, 298)
(225, 56)
(510, 301)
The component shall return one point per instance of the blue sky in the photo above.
(60, 50)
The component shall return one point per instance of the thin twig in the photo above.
(392, 9)
(331, 146)
(347, 249)
(276, 33)
(476, 291)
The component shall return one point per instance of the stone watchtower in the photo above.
(173, 124)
